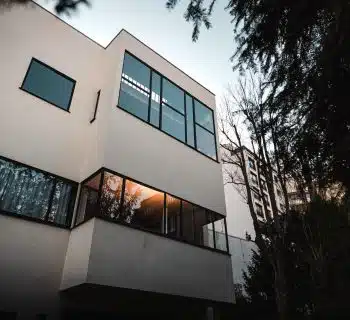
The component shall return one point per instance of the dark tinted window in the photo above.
(204, 116)
(151, 97)
(173, 123)
(173, 96)
(187, 222)
(49, 84)
(135, 87)
(30, 192)
(189, 119)
(136, 72)
(111, 196)
(173, 219)
(155, 99)
(205, 142)
(143, 206)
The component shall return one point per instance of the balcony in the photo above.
(131, 236)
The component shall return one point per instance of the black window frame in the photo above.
(73, 199)
(103, 170)
(153, 70)
(57, 72)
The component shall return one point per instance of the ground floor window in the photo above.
(126, 201)
(26, 191)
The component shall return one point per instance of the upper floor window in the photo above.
(153, 98)
(30, 192)
(254, 178)
(251, 163)
(48, 84)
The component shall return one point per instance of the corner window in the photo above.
(48, 84)
(131, 203)
(29, 192)
(156, 100)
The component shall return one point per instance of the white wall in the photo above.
(128, 258)
(77, 257)
(66, 144)
(31, 263)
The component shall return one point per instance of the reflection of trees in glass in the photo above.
(111, 195)
(143, 206)
(26, 191)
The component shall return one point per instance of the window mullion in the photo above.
(52, 194)
(185, 117)
(194, 124)
(150, 96)
(161, 103)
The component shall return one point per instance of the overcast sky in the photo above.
(207, 60)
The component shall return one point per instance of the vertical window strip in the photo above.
(150, 96)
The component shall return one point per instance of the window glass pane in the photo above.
(259, 210)
(205, 142)
(133, 99)
(189, 119)
(88, 206)
(187, 225)
(173, 123)
(61, 203)
(173, 209)
(29, 192)
(143, 207)
(155, 99)
(204, 116)
(136, 72)
(173, 96)
(111, 196)
(220, 234)
(48, 84)
(202, 225)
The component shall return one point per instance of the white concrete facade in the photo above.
(66, 144)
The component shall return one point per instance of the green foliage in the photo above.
(318, 263)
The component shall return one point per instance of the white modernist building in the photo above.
(110, 180)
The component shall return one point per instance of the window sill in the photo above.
(33, 219)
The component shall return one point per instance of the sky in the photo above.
(167, 32)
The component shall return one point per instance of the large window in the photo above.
(123, 200)
(49, 84)
(153, 98)
(25, 191)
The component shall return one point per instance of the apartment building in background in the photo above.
(239, 221)
(111, 191)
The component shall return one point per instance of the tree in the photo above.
(303, 49)
(250, 101)
(61, 7)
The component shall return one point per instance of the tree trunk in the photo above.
(280, 286)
